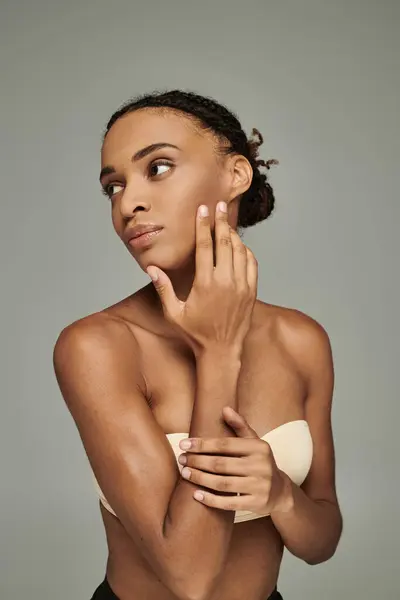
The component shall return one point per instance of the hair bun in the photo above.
(267, 163)
(255, 144)
(258, 202)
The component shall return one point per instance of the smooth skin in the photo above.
(220, 304)
(128, 376)
(217, 314)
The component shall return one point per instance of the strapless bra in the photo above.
(291, 445)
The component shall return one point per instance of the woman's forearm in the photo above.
(205, 532)
(310, 529)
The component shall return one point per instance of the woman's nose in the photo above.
(133, 201)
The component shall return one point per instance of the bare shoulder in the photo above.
(111, 322)
(302, 336)
(91, 329)
(290, 322)
(95, 340)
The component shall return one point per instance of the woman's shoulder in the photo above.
(127, 312)
(99, 340)
(285, 317)
(91, 335)
(293, 328)
(301, 337)
(108, 327)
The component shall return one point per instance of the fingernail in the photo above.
(198, 495)
(185, 444)
(182, 459)
(222, 206)
(186, 473)
(153, 273)
(203, 210)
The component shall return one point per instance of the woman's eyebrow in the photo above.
(107, 170)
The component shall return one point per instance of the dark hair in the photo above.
(257, 203)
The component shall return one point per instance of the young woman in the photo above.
(194, 354)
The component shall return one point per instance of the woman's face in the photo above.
(163, 186)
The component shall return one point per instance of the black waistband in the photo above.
(104, 592)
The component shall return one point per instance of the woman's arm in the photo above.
(202, 532)
(96, 365)
(311, 529)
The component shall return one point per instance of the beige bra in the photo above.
(291, 445)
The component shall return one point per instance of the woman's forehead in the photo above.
(144, 127)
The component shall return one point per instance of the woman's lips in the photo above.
(145, 239)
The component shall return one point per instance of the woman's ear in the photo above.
(241, 175)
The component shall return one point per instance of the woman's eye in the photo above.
(112, 189)
(154, 170)
(158, 165)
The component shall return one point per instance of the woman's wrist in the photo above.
(220, 354)
(217, 377)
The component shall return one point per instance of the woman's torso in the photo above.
(271, 392)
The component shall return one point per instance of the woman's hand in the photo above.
(218, 309)
(243, 465)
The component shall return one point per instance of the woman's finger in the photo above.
(223, 502)
(220, 483)
(239, 255)
(229, 446)
(204, 246)
(223, 243)
(221, 465)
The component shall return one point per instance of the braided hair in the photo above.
(257, 203)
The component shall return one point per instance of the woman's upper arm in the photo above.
(320, 483)
(96, 366)
(311, 346)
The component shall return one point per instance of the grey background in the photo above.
(320, 79)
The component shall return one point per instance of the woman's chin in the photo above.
(168, 266)
(151, 259)
(165, 258)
